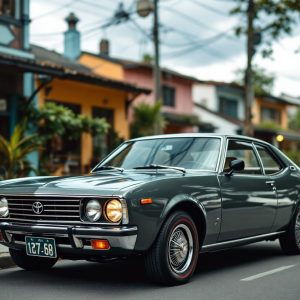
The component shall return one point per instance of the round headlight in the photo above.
(3, 208)
(114, 210)
(93, 210)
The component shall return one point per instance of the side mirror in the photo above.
(236, 165)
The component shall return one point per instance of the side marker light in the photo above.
(146, 201)
(100, 244)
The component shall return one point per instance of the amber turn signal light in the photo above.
(100, 244)
(146, 201)
(1, 238)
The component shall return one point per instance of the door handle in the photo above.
(270, 184)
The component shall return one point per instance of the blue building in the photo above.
(16, 83)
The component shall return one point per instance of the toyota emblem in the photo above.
(37, 207)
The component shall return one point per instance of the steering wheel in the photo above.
(194, 165)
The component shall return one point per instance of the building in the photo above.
(223, 105)
(36, 75)
(14, 41)
(176, 88)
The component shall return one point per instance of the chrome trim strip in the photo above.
(124, 242)
(243, 240)
(259, 159)
(46, 216)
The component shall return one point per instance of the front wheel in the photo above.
(290, 241)
(26, 262)
(172, 259)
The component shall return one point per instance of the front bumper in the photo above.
(75, 238)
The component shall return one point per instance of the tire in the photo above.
(30, 262)
(290, 242)
(164, 265)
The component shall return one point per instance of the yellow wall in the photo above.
(259, 102)
(102, 67)
(89, 96)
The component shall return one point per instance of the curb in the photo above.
(6, 261)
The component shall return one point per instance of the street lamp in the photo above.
(144, 8)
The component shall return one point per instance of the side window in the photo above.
(270, 163)
(243, 151)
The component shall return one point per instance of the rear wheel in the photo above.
(30, 262)
(173, 257)
(290, 241)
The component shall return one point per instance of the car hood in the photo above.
(102, 183)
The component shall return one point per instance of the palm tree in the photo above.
(146, 117)
(13, 152)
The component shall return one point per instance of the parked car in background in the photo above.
(167, 197)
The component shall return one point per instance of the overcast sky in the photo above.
(196, 40)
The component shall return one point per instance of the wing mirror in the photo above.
(235, 165)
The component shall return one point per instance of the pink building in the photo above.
(176, 95)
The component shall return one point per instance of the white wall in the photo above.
(223, 126)
(202, 93)
(234, 94)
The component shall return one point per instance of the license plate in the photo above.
(44, 247)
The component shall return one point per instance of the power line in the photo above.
(210, 8)
(54, 11)
(96, 5)
(198, 23)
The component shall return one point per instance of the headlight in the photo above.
(3, 208)
(113, 210)
(93, 210)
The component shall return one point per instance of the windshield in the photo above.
(188, 153)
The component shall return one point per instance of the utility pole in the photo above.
(249, 78)
(157, 74)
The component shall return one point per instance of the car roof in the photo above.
(193, 135)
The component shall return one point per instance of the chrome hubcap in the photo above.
(297, 229)
(180, 248)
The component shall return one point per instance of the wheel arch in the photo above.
(194, 208)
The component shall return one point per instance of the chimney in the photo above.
(72, 38)
(104, 47)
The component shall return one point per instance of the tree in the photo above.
(13, 153)
(277, 17)
(147, 58)
(146, 118)
(53, 119)
(263, 81)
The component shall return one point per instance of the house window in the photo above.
(229, 107)
(270, 114)
(168, 96)
(7, 8)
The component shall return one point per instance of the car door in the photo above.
(286, 181)
(249, 200)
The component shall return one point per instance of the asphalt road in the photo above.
(218, 275)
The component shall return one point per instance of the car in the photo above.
(167, 198)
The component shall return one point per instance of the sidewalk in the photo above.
(3, 249)
(5, 259)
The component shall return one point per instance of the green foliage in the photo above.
(182, 119)
(57, 119)
(271, 125)
(146, 118)
(282, 14)
(294, 156)
(147, 58)
(263, 82)
(13, 153)
(295, 121)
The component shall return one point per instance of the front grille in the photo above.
(55, 209)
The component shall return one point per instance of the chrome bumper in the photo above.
(123, 237)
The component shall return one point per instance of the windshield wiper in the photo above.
(108, 168)
(155, 167)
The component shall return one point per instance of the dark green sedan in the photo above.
(167, 197)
